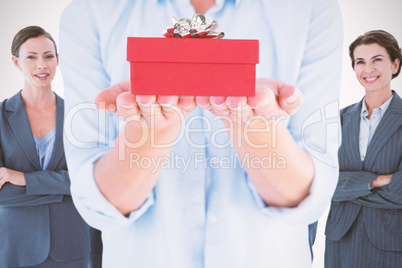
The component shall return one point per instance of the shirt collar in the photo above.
(382, 108)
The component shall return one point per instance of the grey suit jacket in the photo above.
(381, 208)
(39, 219)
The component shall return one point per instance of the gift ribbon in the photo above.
(198, 26)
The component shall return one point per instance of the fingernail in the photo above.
(218, 105)
(235, 109)
(204, 106)
(188, 107)
(293, 98)
(144, 104)
(127, 106)
(254, 107)
(165, 104)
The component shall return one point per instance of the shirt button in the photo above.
(213, 218)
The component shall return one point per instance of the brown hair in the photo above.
(29, 32)
(382, 38)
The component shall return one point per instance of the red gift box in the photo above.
(192, 66)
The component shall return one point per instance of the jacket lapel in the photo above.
(17, 118)
(58, 149)
(391, 122)
(350, 139)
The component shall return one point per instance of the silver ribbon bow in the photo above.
(198, 26)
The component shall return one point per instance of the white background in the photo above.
(359, 16)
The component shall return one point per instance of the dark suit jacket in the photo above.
(39, 219)
(381, 208)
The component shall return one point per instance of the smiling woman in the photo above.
(374, 70)
(38, 221)
(37, 57)
(376, 60)
(366, 206)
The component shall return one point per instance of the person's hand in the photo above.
(273, 99)
(381, 180)
(11, 176)
(148, 110)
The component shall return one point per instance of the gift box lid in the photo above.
(192, 50)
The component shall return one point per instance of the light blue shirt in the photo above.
(181, 224)
(368, 126)
(44, 148)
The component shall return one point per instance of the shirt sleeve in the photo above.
(89, 133)
(315, 127)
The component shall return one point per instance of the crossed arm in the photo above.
(18, 189)
(386, 189)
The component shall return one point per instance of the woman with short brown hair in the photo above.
(364, 224)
